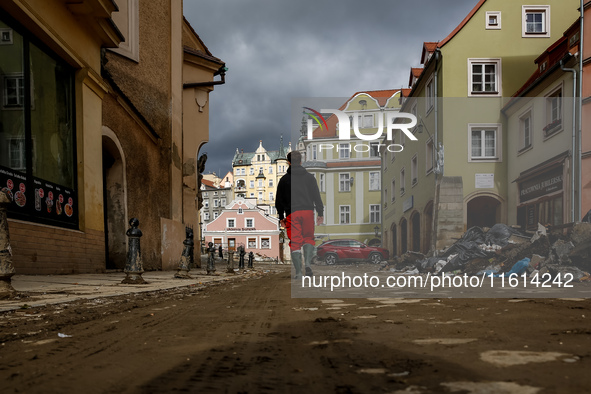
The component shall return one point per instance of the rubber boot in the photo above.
(308, 255)
(296, 260)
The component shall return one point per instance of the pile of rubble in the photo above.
(502, 250)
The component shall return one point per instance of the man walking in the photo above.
(296, 211)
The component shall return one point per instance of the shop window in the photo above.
(37, 156)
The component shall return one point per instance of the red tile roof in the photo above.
(382, 97)
(207, 182)
(414, 73)
(428, 47)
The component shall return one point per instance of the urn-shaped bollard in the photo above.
(210, 259)
(187, 256)
(251, 260)
(134, 266)
(6, 267)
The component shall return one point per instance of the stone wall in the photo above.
(449, 215)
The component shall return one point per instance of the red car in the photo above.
(339, 250)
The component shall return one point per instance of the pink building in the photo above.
(242, 223)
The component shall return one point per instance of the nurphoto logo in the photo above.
(344, 130)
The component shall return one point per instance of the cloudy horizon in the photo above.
(279, 50)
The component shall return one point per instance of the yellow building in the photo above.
(257, 173)
(454, 176)
(348, 171)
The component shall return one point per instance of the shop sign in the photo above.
(38, 200)
(546, 183)
(407, 204)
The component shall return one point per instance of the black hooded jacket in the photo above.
(305, 196)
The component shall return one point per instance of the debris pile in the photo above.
(503, 250)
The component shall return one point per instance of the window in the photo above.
(252, 243)
(260, 196)
(430, 95)
(270, 182)
(223, 193)
(314, 151)
(374, 149)
(322, 185)
(216, 203)
(243, 171)
(553, 113)
(367, 121)
(485, 142)
(252, 184)
(13, 91)
(223, 202)
(240, 211)
(260, 183)
(230, 223)
(393, 191)
(271, 196)
(429, 155)
(251, 195)
(484, 77)
(345, 214)
(344, 183)
(374, 213)
(206, 204)
(536, 21)
(205, 195)
(17, 154)
(249, 223)
(344, 151)
(525, 136)
(374, 181)
(265, 243)
(251, 170)
(402, 181)
(414, 170)
(5, 36)
(206, 215)
(270, 169)
(215, 193)
(215, 215)
(493, 20)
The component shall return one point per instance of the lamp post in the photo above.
(376, 230)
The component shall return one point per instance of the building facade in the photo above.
(242, 223)
(458, 164)
(348, 173)
(96, 73)
(257, 173)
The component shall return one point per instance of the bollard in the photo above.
(241, 258)
(230, 266)
(6, 267)
(251, 260)
(210, 259)
(186, 257)
(134, 267)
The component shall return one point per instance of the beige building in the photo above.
(144, 101)
(257, 173)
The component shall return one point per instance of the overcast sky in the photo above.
(277, 50)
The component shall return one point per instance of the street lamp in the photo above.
(376, 230)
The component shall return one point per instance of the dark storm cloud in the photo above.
(277, 50)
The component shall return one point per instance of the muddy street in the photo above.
(250, 336)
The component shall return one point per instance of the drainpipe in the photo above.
(574, 144)
(435, 147)
(580, 108)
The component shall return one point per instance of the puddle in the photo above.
(507, 358)
(490, 387)
(444, 341)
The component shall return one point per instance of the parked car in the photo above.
(341, 250)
